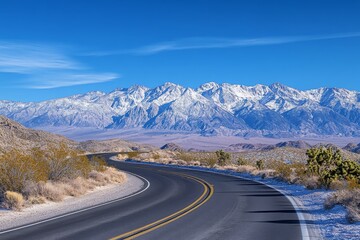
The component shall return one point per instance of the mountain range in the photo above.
(211, 109)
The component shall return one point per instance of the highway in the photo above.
(179, 204)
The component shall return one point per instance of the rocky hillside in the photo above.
(210, 109)
(14, 135)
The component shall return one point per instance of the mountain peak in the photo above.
(230, 109)
(207, 86)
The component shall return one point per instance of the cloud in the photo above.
(26, 58)
(65, 80)
(207, 43)
(46, 67)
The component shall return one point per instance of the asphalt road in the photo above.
(180, 204)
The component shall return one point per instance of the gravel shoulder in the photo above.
(36, 213)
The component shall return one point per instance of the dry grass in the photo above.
(13, 200)
(347, 198)
(56, 191)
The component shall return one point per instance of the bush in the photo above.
(98, 163)
(13, 200)
(329, 165)
(347, 198)
(66, 163)
(133, 155)
(241, 161)
(17, 168)
(260, 164)
(223, 157)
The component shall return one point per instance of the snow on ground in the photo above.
(331, 224)
(10, 219)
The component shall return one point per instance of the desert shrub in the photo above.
(133, 155)
(66, 163)
(260, 164)
(156, 156)
(347, 198)
(245, 169)
(222, 157)
(35, 200)
(51, 191)
(329, 165)
(187, 157)
(17, 168)
(98, 163)
(13, 200)
(241, 161)
(311, 182)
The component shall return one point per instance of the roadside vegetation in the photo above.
(39, 176)
(320, 167)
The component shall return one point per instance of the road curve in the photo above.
(179, 204)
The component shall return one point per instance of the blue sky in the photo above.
(51, 49)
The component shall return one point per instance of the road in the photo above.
(179, 204)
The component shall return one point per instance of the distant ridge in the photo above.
(211, 109)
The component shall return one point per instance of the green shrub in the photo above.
(241, 161)
(260, 164)
(223, 157)
(329, 165)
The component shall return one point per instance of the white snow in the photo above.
(232, 101)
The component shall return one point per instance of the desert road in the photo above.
(179, 204)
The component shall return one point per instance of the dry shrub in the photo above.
(17, 168)
(35, 200)
(353, 184)
(265, 173)
(338, 185)
(115, 175)
(229, 168)
(100, 179)
(132, 155)
(347, 198)
(110, 175)
(353, 214)
(245, 169)
(66, 163)
(122, 156)
(52, 191)
(13, 200)
(185, 157)
(311, 182)
(98, 163)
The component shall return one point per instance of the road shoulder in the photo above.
(41, 212)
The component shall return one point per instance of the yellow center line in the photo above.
(173, 217)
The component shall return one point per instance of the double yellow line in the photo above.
(205, 196)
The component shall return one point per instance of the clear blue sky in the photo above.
(50, 49)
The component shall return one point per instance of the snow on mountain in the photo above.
(209, 109)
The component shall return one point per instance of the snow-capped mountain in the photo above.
(212, 108)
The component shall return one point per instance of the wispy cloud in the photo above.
(206, 43)
(45, 67)
(65, 80)
(25, 58)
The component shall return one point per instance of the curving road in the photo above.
(179, 204)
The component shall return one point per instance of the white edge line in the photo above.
(84, 209)
(303, 226)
